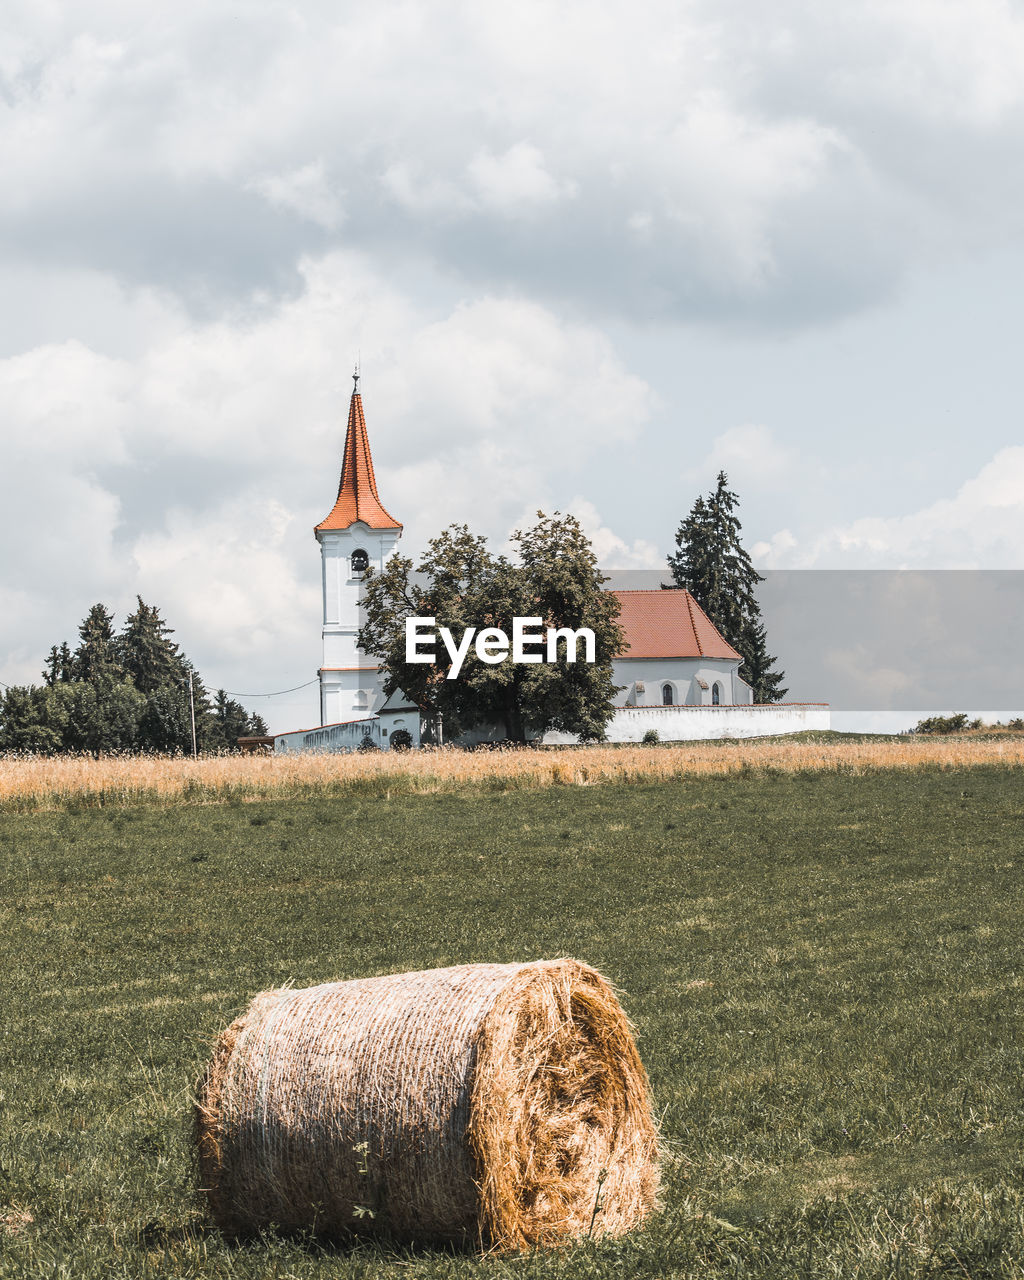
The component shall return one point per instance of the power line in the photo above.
(277, 694)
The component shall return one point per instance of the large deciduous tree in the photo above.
(711, 562)
(460, 584)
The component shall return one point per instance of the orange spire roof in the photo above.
(357, 493)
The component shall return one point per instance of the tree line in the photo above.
(129, 690)
(124, 690)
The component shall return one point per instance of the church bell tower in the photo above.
(357, 535)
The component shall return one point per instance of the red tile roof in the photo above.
(357, 493)
(668, 624)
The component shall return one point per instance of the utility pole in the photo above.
(192, 709)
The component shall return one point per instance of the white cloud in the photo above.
(516, 180)
(747, 453)
(735, 160)
(192, 473)
(981, 527)
(612, 551)
(307, 191)
(229, 579)
(204, 218)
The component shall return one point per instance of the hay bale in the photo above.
(500, 1105)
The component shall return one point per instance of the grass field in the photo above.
(825, 969)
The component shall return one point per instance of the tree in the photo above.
(230, 721)
(453, 570)
(460, 584)
(166, 723)
(115, 692)
(713, 565)
(24, 722)
(95, 715)
(59, 665)
(566, 589)
(758, 662)
(146, 652)
(943, 724)
(96, 654)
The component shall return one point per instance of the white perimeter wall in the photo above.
(348, 735)
(688, 724)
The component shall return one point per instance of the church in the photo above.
(678, 675)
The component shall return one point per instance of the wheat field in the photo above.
(36, 783)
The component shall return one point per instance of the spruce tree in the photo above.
(230, 721)
(96, 655)
(713, 565)
(758, 662)
(59, 665)
(147, 653)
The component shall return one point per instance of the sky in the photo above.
(587, 255)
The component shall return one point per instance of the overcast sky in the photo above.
(590, 254)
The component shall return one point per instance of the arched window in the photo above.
(360, 561)
(716, 694)
(668, 696)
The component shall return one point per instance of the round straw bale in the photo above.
(501, 1105)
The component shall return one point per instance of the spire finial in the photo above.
(355, 378)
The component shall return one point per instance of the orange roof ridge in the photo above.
(690, 602)
(357, 492)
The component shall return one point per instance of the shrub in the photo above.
(651, 738)
(943, 724)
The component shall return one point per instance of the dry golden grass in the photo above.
(56, 782)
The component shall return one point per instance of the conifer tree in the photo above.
(96, 654)
(59, 665)
(165, 724)
(758, 662)
(230, 721)
(713, 565)
(147, 653)
(115, 693)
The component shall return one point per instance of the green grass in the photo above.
(825, 973)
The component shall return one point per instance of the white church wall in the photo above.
(349, 735)
(691, 724)
(685, 675)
